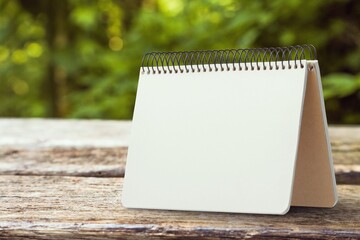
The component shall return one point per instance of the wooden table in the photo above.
(63, 178)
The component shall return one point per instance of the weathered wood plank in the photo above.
(345, 144)
(58, 207)
(72, 161)
(98, 148)
(97, 162)
(35, 133)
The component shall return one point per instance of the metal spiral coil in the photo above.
(228, 59)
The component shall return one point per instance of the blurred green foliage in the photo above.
(80, 58)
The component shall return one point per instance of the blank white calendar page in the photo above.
(221, 141)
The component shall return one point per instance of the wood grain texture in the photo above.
(60, 161)
(99, 162)
(345, 144)
(36, 133)
(56, 207)
(60, 194)
(98, 148)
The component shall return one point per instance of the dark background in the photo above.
(80, 59)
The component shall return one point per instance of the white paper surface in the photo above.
(221, 141)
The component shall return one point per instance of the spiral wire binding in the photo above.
(228, 59)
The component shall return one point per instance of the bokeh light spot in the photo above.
(34, 50)
(19, 56)
(4, 53)
(116, 43)
(171, 8)
(20, 87)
